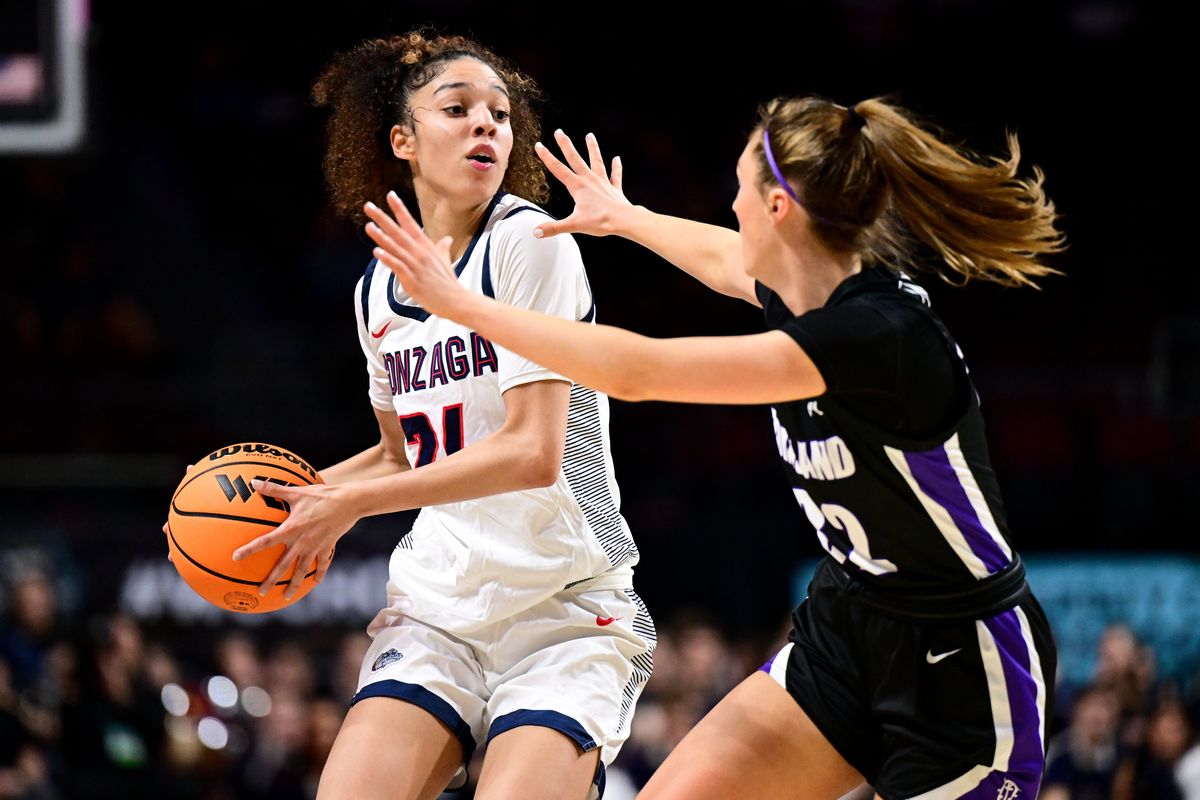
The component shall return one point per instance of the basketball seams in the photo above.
(220, 575)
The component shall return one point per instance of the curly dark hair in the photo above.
(368, 90)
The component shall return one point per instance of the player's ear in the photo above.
(778, 207)
(403, 142)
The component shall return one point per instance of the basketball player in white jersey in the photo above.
(511, 615)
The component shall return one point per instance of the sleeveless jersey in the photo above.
(899, 511)
(470, 563)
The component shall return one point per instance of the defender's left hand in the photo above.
(422, 266)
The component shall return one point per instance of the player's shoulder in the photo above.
(515, 218)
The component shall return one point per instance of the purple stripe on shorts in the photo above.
(1025, 764)
(937, 478)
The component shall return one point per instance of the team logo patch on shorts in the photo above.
(385, 658)
(1008, 791)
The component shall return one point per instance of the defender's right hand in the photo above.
(599, 198)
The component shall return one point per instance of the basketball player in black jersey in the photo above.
(920, 662)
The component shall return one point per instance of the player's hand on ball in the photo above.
(318, 518)
(599, 198)
(422, 266)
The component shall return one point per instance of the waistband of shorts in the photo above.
(619, 577)
(988, 597)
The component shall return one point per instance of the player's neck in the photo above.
(810, 274)
(442, 216)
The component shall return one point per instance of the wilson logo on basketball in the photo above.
(238, 487)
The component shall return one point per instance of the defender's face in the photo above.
(462, 135)
(751, 211)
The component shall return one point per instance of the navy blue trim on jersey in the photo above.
(423, 698)
(488, 290)
(599, 780)
(543, 719)
(418, 313)
(412, 312)
(366, 293)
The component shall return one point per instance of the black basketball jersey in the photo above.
(890, 465)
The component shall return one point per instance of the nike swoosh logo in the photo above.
(932, 659)
(602, 621)
(381, 331)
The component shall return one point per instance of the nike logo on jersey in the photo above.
(932, 659)
(381, 331)
(602, 621)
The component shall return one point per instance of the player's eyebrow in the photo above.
(464, 85)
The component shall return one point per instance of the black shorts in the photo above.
(947, 709)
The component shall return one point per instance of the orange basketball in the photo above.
(214, 511)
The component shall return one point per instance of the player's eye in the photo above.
(501, 114)
(454, 110)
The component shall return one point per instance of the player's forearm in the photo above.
(374, 462)
(709, 253)
(502, 462)
(611, 360)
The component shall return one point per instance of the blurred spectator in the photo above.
(24, 774)
(276, 765)
(1149, 773)
(1127, 668)
(1082, 760)
(290, 671)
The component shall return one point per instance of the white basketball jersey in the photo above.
(471, 563)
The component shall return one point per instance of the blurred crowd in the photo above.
(109, 708)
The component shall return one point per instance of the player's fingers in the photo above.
(407, 222)
(443, 250)
(398, 266)
(397, 242)
(323, 567)
(189, 468)
(278, 571)
(564, 225)
(387, 231)
(272, 489)
(618, 173)
(597, 160)
(262, 543)
(574, 160)
(557, 168)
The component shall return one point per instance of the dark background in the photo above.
(179, 283)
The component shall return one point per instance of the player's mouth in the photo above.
(482, 158)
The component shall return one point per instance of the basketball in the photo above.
(214, 511)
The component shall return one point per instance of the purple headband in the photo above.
(787, 187)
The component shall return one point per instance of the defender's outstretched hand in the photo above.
(598, 197)
(422, 266)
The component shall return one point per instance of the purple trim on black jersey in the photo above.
(937, 478)
(1027, 758)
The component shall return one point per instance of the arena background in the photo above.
(176, 282)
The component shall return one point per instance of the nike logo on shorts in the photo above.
(932, 659)
(602, 621)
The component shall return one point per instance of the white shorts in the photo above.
(574, 663)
